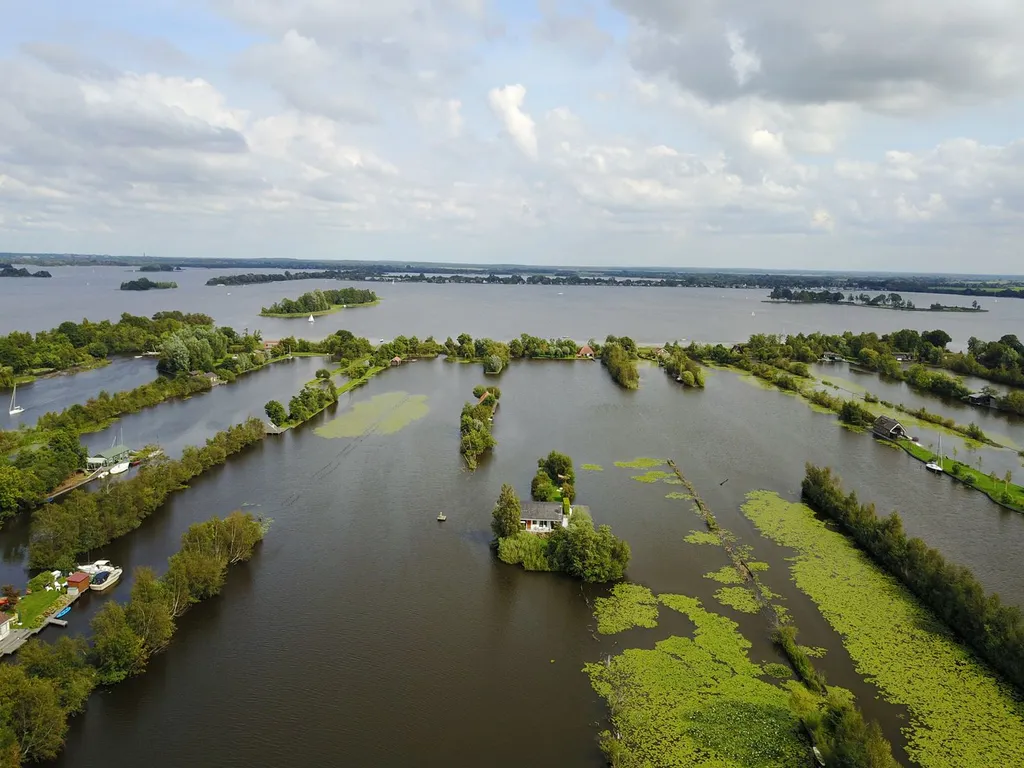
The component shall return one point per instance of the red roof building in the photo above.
(586, 351)
(78, 582)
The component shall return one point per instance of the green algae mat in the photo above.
(383, 414)
(700, 700)
(628, 606)
(960, 713)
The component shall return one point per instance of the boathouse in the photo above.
(586, 351)
(543, 516)
(983, 400)
(396, 360)
(889, 428)
(269, 344)
(78, 582)
(5, 624)
(109, 457)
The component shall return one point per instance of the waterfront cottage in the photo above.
(111, 456)
(396, 360)
(586, 351)
(903, 357)
(831, 357)
(269, 344)
(983, 400)
(888, 427)
(543, 516)
(78, 582)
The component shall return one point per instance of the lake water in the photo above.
(653, 315)
(363, 632)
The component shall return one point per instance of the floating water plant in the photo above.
(960, 714)
(678, 495)
(652, 476)
(779, 671)
(382, 414)
(640, 463)
(701, 537)
(740, 598)
(630, 605)
(592, 467)
(697, 701)
(727, 574)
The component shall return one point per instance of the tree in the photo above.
(65, 663)
(276, 413)
(15, 490)
(323, 374)
(118, 652)
(148, 613)
(558, 467)
(30, 710)
(505, 518)
(937, 338)
(11, 594)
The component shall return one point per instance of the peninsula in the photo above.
(320, 303)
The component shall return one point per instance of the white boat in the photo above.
(104, 580)
(120, 467)
(97, 567)
(311, 319)
(936, 465)
(15, 409)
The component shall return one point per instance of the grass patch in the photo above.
(739, 598)
(640, 463)
(592, 467)
(960, 714)
(630, 605)
(697, 701)
(651, 477)
(32, 608)
(702, 537)
(382, 414)
(727, 574)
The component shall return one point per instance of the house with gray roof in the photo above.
(543, 516)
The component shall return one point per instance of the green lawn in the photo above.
(1007, 494)
(32, 608)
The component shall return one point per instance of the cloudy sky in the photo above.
(794, 133)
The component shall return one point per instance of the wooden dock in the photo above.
(18, 637)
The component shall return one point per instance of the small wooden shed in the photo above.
(78, 582)
(5, 624)
(889, 428)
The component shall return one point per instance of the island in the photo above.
(9, 270)
(321, 303)
(782, 295)
(145, 284)
(159, 268)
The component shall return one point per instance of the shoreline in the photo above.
(969, 310)
(334, 308)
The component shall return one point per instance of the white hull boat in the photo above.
(117, 469)
(105, 580)
(14, 408)
(98, 567)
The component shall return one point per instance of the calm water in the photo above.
(646, 314)
(369, 634)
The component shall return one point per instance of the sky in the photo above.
(824, 134)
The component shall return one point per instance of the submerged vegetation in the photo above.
(960, 714)
(51, 682)
(383, 414)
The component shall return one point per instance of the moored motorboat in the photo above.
(105, 580)
(97, 567)
(120, 467)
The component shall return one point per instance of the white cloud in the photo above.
(744, 62)
(507, 103)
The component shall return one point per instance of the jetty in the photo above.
(16, 638)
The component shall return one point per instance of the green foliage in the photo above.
(32, 721)
(839, 731)
(320, 301)
(621, 362)
(855, 414)
(740, 598)
(532, 347)
(84, 521)
(641, 463)
(959, 712)
(727, 574)
(148, 613)
(652, 476)
(117, 651)
(784, 637)
(555, 475)
(702, 537)
(696, 702)
(475, 426)
(323, 374)
(145, 284)
(526, 549)
(778, 671)
(628, 606)
(66, 664)
(588, 554)
(505, 519)
(276, 413)
(309, 401)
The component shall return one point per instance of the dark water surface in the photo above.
(372, 635)
(499, 311)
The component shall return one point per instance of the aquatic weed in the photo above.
(592, 467)
(640, 462)
(740, 598)
(701, 537)
(628, 606)
(651, 477)
(727, 574)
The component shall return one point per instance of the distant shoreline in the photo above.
(944, 308)
(334, 308)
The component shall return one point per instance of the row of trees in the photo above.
(579, 550)
(994, 630)
(475, 424)
(309, 401)
(53, 681)
(555, 479)
(83, 521)
(679, 365)
(619, 356)
(71, 344)
(320, 301)
(36, 471)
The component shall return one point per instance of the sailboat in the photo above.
(121, 466)
(935, 465)
(311, 319)
(15, 409)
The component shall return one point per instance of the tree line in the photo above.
(52, 681)
(145, 284)
(84, 521)
(74, 344)
(680, 366)
(475, 424)
(995, 631)
(320, 301)
(308, 402)
(619, 356)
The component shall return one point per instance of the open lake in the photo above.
(364, 632)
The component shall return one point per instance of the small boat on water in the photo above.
(935, 465)
(311, 319)
(99, 566)
(62, 612)
(441, 517)
(105, 580)
(14, 409)
(120, 467)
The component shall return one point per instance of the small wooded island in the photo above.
(321, 303)
(145, 284)
(9, 270)
(553, 534)
(781, 295)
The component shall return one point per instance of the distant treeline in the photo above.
(52, 681)
(254, 278)
(320, 301)
(882, 300)
(145, 284)
(83, 521)
(159, 268)
(8, 270)
(994, 630)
